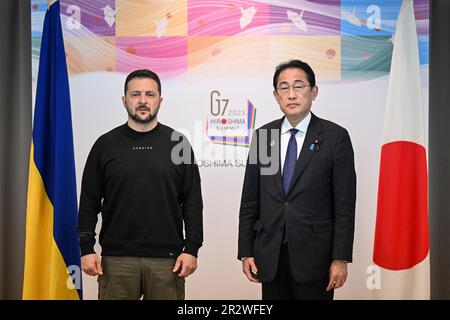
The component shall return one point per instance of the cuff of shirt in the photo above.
(191, 248)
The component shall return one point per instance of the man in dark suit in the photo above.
(296, 221)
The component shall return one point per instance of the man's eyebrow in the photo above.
(295, 81)
(138, 91)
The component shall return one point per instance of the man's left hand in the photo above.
(187, 263)
(338, 274)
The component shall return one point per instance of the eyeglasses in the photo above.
(284, 89)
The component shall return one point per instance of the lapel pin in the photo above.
(314, 146)
(272, 143)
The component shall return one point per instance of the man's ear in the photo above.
(315, 92)
(123, 102)
(275, 95)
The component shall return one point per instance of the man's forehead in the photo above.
(142, 84)
(142, 81)
(293, 74)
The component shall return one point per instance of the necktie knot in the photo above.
(293, 131)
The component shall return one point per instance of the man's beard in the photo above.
(139, 120)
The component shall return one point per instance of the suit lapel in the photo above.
(312, 138)
(276, 142)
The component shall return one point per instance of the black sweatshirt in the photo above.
(143, 195)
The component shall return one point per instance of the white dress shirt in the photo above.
(286, 135)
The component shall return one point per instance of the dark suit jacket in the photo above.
(319, 209)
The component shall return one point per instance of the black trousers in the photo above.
(284, 287)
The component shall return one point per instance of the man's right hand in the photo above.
(91, 265)
(250, 270)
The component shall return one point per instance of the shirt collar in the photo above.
(301, 126)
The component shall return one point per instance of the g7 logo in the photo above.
(216, 103)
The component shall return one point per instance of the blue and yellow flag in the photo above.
(52, 255)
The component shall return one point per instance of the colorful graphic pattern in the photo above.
(341, 39)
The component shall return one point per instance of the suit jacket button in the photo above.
(286, 204)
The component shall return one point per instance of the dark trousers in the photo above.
(284, 287)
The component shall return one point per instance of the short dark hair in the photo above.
(142, 73)
(294, 64)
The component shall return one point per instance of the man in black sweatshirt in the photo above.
(143, 178)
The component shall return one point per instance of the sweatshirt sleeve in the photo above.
(192, 206)
(90, 200)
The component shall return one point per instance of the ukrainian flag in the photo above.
(52, 256)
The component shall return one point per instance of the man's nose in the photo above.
(143, 99)
(292, 94)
